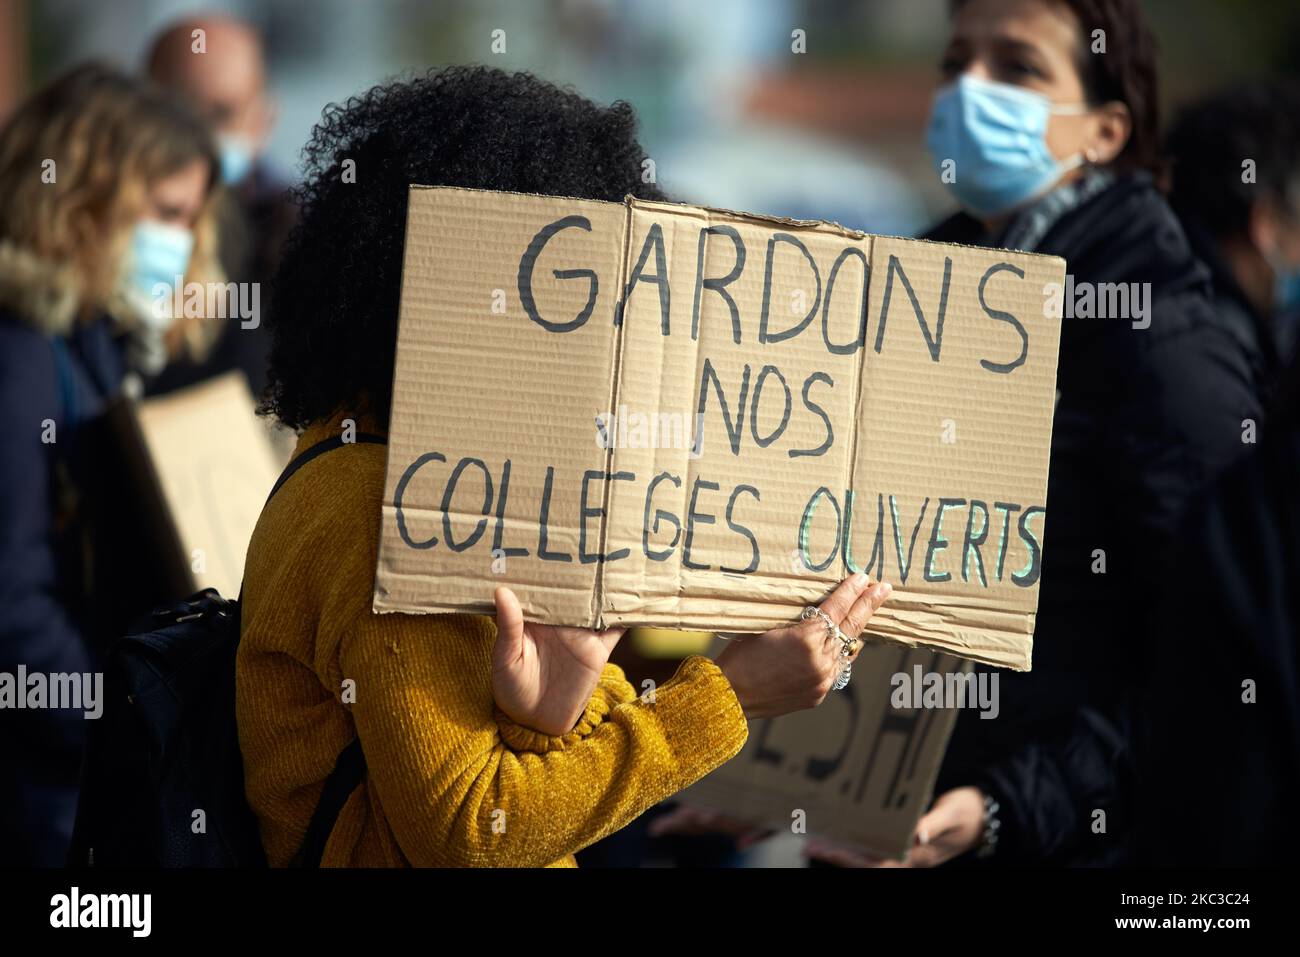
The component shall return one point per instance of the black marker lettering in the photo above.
(735, 527)
(692, 517)
(529, 260)
(814, 407)
(1004, 317)
(447, 494)
(736, 427)
(499, 531)
(542, 553)
(937, 542)
(720, 284)
(660, 514)
(933, 342)
(753, 408)
(654, 241)
(974, 541)
(401, 492)
(1033, 567)
(852, 347)
(764, 337)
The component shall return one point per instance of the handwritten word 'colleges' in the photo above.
(976, 535)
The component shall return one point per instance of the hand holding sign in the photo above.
(544, 675)
(792, 668)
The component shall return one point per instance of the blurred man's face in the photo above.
(225, 81)
(230, 96)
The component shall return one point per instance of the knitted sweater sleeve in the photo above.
(462, 785)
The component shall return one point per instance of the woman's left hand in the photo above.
(544, 675)
(952, 827)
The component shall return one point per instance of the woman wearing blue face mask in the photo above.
(1044, 130)
(105, 187)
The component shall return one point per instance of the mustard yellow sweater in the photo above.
(450, 780)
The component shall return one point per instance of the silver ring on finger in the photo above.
(832, 629)
(842, 680)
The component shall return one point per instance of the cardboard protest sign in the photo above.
(212, 466)
(665, 415)
(858, 768)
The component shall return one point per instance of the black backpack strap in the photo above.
(350, 767)
(320, 448)
(343, 780)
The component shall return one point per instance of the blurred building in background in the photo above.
(803, 108)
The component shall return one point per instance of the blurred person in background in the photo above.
(218, 64)
(1235, 161)
(461, 719)
(106, 190)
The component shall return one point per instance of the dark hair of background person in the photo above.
(1209, 142)
(333, 319)
(1127, 72)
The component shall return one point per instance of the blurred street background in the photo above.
(731, 114)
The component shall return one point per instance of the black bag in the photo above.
(162, 783)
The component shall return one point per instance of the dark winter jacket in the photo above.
(1217, 722)
(1150, 409)
(55, 375)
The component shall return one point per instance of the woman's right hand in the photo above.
(793, 668)
(544, 675)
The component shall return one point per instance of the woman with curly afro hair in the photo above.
(484, 743)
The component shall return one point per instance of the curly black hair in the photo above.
(333, 318)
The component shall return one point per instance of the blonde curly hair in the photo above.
(108, 136)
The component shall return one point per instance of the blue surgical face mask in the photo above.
(159, 254)
(236, 158)
(988, 142)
